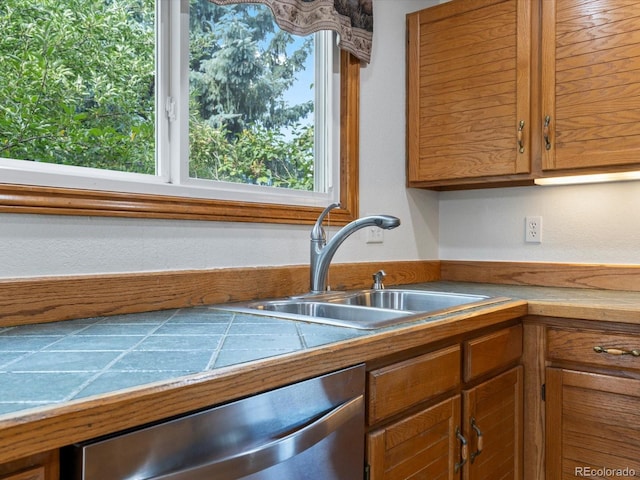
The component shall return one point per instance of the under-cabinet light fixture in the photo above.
(594, 178)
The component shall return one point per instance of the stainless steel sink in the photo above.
(407, 300)
(363, 309)
(332, 313)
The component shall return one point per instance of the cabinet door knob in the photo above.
(479, 441)
(521, 136)
(545, 132)
(617, 351)
(464, 451)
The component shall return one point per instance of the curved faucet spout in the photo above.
(322, 253)
(317, 233)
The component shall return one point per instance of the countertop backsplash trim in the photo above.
(49, 299)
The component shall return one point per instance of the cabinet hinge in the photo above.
(543, 392)
(367, 471)
(170, 108)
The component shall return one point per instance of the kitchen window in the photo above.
(140, 166)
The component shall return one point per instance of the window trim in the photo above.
(16, 198)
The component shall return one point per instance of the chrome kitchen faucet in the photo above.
(322, 252)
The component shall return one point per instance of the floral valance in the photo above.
(351, 19)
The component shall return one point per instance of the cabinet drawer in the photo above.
(594, 348)
(492, 351)
(404, 384)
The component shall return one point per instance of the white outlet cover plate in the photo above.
(533, 229)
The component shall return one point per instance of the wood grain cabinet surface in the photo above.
(591, 85)
(592, 404)
(31, 474)
(467, 92)
(492, 351)
(423, 445)
(494, 427)
(594, 347)
(474, 432)
(399, 386)
(44, 466)
(505, 91)
(593, 425)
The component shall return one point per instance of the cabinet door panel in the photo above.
(593, 422)
(423, 445)
(591, 76)
(468, 88)
(42, 466)
(495, 408)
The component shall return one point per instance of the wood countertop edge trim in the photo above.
(46, 429)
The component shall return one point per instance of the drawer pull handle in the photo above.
(520, 136)
(545, 132)
(479, 442)
(464, 452)
(617, 351)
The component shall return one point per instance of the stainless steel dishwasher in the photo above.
(309, 430)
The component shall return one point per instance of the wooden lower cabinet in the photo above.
(44, 466)
(592, 425)
(592, 399)
(421, 446)
(37, 473)
(493, 427)
(474, 436)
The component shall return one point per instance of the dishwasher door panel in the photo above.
(310, 430)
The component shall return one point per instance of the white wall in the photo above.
(580, 224)
(37, 245)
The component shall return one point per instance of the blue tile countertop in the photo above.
(71, 381)
(52, 363)
(49, 364)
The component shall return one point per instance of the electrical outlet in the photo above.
(375, 235)
(533, 229)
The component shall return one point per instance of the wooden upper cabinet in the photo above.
(591, 85)
(468, 87)
(476, 69)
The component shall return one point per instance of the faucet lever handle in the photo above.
(377, 280)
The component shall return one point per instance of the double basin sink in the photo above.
(364, 309)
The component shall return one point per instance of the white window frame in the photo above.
(172, 139)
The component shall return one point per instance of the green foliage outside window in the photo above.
(76, 83)
(77, 87)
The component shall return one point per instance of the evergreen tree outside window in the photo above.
(252, 98)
